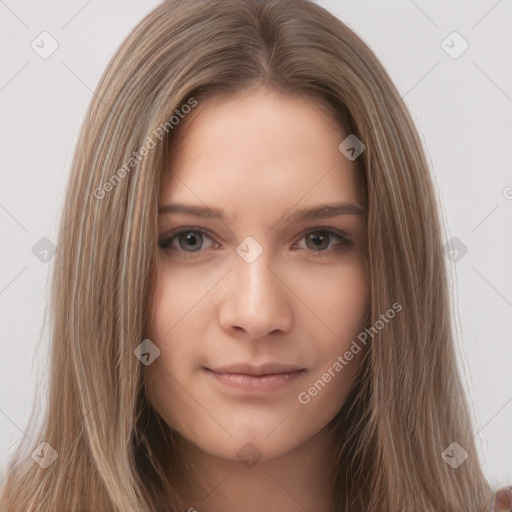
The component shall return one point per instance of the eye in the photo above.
(319, 240)
(188, 242)
(185, 240)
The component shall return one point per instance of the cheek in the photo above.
(176, 326)
(339, 299)
(179, 293)
(174, 294)
(347, 311)
(341, 305)
(163, 325)
(173, 327)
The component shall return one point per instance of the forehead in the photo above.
(258, 150)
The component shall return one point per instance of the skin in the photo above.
(261, 156)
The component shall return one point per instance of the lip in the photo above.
(265, 378)
(257, 371)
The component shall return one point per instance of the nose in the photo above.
(256, 299)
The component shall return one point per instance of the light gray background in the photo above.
(462, 108)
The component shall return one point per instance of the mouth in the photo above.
(257, 371)
(265, 378)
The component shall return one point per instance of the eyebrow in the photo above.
(318, 212)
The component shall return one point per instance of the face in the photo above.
(256, 303)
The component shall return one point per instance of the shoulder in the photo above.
(502, 500)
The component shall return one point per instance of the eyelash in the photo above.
(167, 239)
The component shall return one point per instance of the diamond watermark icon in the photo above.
(250, 250)
(455, 249)
(352, 147)
(44, 45)
(454, 45)
(147, 352)
(249, 455)
(44, 250)
(454, 455)
(44, 455)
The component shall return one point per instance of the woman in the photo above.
(260, 370)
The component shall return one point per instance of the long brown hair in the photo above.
(408, 404)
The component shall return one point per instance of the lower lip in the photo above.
(259, 383)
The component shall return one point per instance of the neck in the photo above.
(302, 479)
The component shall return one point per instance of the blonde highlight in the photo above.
(408, 404)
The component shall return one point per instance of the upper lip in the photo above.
(265, 369)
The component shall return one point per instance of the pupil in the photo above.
(317, 239)
(191, 238)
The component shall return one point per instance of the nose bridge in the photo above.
(253, 279)
(256, 300)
